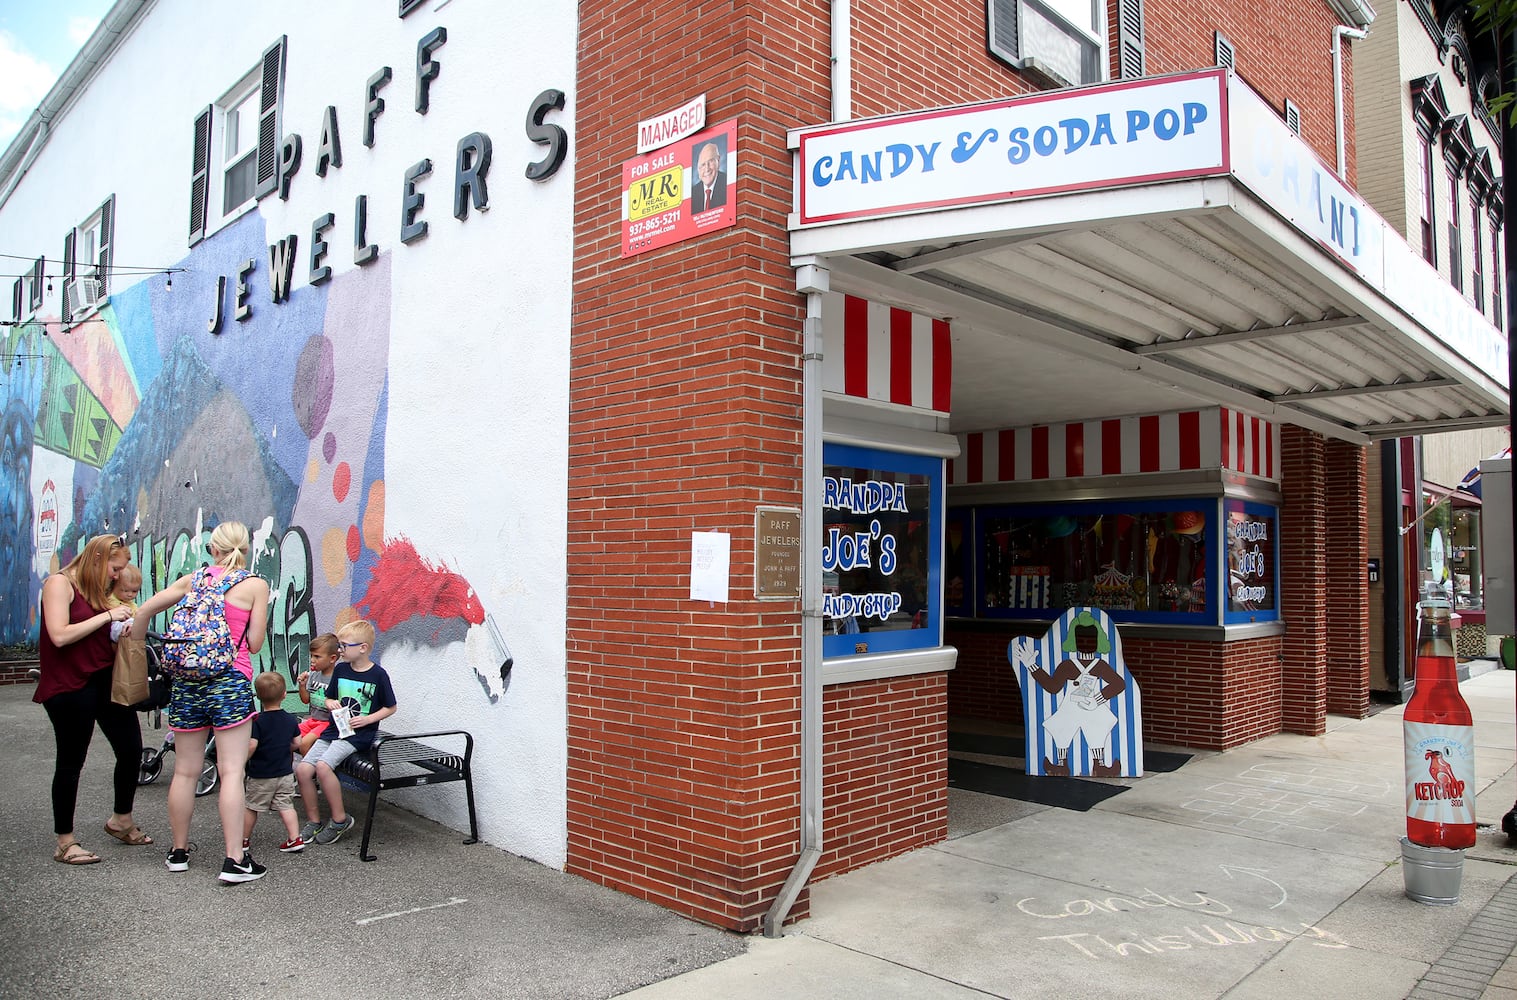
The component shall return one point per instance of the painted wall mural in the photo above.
(141, 422)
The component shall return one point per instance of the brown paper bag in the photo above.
(129, 675)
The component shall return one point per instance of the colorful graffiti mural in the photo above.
(141, 422)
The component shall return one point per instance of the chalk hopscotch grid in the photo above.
(1269, 797)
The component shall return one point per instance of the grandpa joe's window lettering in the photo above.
(1250, 559)
(874, 549)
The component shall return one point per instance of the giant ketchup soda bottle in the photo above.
(1439, 738)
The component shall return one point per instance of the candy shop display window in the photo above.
(882, 529)
(1140, 561)
(1253, 578)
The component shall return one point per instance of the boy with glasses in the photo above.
(362, 687)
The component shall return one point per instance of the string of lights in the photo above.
(140, 268)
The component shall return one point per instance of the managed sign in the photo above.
(776, 553)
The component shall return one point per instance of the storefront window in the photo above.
(1252, 578)
(1140, 561)
(881, 550)
(1451, 550)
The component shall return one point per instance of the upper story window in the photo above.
(1063, 41)
(1425, 177)
(236, 147)
(1498, 306)
(239, 146)
(1456, 242)
(1477, 256)
(87, 251)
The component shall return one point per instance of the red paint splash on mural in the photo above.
(403, 585)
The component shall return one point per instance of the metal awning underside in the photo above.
(1152, 298)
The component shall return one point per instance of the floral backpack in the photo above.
(198, 644)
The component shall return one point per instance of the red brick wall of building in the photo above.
(685, 412)
(885, 772)
(1282, 49)
(1303, 579)
(1348, 609)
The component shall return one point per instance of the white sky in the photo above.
(38, 39)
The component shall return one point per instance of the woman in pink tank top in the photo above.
(223, 703)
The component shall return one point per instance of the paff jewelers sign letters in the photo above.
(682, 190)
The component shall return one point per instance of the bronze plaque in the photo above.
(776, 553)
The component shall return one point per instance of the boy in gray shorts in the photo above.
(270, 781)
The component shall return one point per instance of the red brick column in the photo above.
(1303, 580)
(1348, 666)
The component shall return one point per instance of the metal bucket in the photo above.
(1432, 874)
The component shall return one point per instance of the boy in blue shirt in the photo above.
(361, 686)
(270, 769)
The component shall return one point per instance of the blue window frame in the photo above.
(882, 530)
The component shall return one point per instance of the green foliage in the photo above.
(1500, 18)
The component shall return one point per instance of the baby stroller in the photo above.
(158, 697)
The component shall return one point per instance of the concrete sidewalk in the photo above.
(1266, 871)
(1269, 871)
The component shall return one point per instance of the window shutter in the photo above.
(1225, 54)
(1292, 116)
(200, 169)
(268, 119)
(68, 274)
(1129, 39)
(1002, 38)
(107, 235)
(34, 297)
(18, 290)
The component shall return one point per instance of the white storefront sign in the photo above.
(1128, 133)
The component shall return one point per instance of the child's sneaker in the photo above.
(179, 859)
(245, 870)
(309, 831)
(333, 830)
(293, 846)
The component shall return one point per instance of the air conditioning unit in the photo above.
(85, 293)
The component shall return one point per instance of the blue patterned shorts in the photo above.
(219, 703)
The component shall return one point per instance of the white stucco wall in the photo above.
(448, 376)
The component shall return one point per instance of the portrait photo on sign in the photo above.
(708, 183)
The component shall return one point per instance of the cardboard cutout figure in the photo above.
(1080, 705)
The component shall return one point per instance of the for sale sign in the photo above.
(682, 190)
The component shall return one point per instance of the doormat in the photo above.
(1076, 794)
(1011, 746)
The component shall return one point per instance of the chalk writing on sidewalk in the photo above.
(1147, 900)
(1098, 946)
(1257, 873)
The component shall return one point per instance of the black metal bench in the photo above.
(405, 760)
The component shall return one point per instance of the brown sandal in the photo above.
(80, 855)
(133, 837)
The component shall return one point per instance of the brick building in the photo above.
(807, 356)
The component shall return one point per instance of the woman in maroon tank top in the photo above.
(76, 653)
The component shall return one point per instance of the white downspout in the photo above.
(1340, 32)
(813, 280)
(842, 60)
